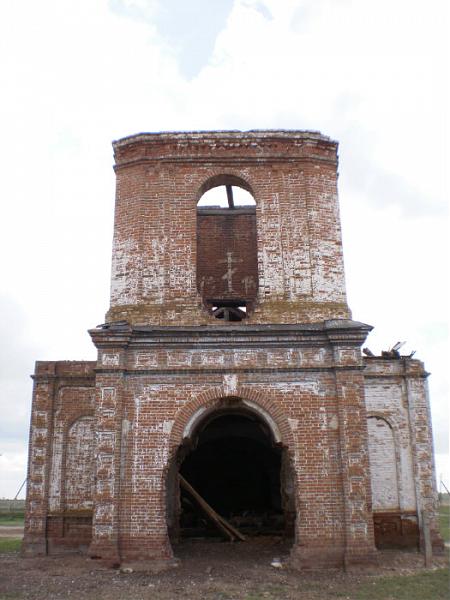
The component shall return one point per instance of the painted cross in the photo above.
(228, 277)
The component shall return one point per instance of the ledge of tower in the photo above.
(332, 328)
(256, 146)
(230, 135)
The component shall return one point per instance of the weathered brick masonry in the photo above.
(229, 354)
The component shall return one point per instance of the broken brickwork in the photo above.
(229, 356)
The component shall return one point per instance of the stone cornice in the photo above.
(336, 332)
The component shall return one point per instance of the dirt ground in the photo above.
(208, 570)
(8, 531)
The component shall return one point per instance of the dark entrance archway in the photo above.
(234, 463)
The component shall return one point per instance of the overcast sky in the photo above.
(76, 74)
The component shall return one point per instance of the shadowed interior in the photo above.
(236, 468)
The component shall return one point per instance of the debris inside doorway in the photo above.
(222, 524)
(239, 480)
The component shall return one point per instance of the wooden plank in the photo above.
(206, 508)
(230, 196)
(221, 523)
(234, 531)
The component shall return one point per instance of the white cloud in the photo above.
(77, 74)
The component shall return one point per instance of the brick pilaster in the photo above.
(39, 461)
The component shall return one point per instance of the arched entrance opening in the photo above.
(236, 464)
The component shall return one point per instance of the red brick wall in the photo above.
(104, 435)
(79, 480)
(397, 398)
(227, 265)
(63, 397)
(292, 177)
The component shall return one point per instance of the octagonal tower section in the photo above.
(176, 262)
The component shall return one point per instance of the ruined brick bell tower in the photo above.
(228, 356)
(232, 314)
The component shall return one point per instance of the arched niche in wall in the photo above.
(383, 464)
(79, 467)
(227, 259)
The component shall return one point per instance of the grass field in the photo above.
(14, 518)
(10, 544)
(444, 521)
(431, 585)
(424, 586)
(11, 518)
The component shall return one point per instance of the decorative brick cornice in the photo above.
(338, 331)
(210, 146)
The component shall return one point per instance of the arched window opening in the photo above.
(226, 196)
(227, 266)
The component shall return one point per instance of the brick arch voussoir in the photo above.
(222, 172)
(69, 422)
(265, 401)
(214, 397)
(389, 419)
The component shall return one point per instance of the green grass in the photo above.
(12, 518)
(10, 545)
(444, 522)
(430, 585)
